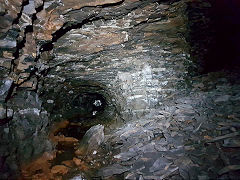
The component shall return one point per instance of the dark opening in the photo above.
(87, 105)
(214, 34)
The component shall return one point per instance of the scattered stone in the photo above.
(68, 163)
(5, 86)
(77, 161)
(224, 136)
(125, 156)
(160, 164)
(132, 50)
(65, 141)
(5, 62)
(112, 170)
(229, 169)
(78, 177)
(59, 169)
(222, 99)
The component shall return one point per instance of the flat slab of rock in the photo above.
(112, 170)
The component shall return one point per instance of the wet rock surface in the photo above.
(67, 66)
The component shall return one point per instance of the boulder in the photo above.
(91, 140)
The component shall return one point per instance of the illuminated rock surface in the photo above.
(119, 89)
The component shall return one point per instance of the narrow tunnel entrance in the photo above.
(75, 107)
(86, 108)
(88, 105)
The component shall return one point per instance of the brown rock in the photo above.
(68, 163)
(41, 165)
(77, 161)
(66, 141)
(49, 22)
(82, 166)
(11, 9)
(59, 169)
(30, 45)
(56, 128)
(80, 152)
(7, 54)
(77, 4)
(95, 41)
(32, 83)
(5, 62)
(22, 64)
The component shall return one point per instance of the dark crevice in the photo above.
(110, 5)
(16, 21)
(40, 8)
(62, 31)
(20, 45)
(28, 29)
(10, 92)
(5, 120)
(167, 1)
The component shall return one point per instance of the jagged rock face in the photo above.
(131, 54)
(116, 54)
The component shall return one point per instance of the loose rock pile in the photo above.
(193, 136)
(135, 56)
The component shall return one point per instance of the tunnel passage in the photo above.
(84, 102)
(88, 104)
(74, 107)
(85, 107)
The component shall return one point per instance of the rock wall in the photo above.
(131, 52)
(117, 54)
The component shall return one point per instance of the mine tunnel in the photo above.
(119, 89)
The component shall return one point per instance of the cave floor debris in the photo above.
(195, 135)
(176, 130)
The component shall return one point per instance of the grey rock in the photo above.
(130, 176)
(6, 43)
(222, 99)
(93, 138)
(29, 9)
(231, 142)
(112, 170)
(2, 113)
(148, 148)
(5, 113)
(125, 156)
(166, 172)
(160, 164)
(4, 88)
(160, 147)
(203, 177)
(5, 62)
(2, 9)
(78, 177)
